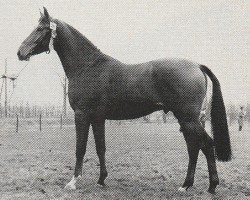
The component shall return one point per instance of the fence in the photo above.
(39, 119)
(40, 122)
(27, 111)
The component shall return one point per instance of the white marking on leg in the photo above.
(182, 189)
(100, 186)
(72, 184)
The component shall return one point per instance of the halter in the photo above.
(52, 27)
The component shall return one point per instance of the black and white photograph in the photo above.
(107, 99)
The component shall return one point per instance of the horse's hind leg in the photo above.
(208, 150)
(196, 139)
(192, 138)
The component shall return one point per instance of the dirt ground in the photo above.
(144, 161)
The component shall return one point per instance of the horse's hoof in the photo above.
(100, 185)
(101, 182)
(70, 186)
(211, 190)
(182, 189)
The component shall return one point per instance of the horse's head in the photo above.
(38, 41)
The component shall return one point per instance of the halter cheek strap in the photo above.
(52, 26)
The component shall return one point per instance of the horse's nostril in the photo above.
(19, 55)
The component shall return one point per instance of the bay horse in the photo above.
(101, 87)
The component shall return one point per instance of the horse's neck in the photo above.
(74, 50)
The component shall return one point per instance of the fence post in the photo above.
(61, 121)
(40, 122)
(17, 121)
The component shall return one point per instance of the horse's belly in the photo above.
(131, 110)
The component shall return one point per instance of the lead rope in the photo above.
(1, 90)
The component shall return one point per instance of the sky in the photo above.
(211, 32)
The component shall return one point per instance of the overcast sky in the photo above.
(212, 32)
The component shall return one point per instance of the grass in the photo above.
(144, 161)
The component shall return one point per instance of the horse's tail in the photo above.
(218, 119)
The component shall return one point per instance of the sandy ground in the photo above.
(144, 161)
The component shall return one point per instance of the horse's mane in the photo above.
(82, 40)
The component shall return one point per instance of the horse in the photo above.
(101, 87)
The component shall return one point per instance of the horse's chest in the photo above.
(85, 92)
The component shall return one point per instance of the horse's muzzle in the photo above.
(22, 56)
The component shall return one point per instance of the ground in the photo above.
(144, 161)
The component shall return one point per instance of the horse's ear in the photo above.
(41, 13)
(46, 14)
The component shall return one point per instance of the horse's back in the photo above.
(170, 80)
(132, 82)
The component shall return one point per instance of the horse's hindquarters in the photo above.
(180, 84)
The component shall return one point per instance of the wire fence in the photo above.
(24, 117)
(42, 120)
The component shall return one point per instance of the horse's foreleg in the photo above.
(98, 126)
(193, 145)
(82, 129)
(208, 150)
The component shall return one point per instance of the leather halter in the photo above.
(52, 27)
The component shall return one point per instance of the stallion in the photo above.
(101, 87)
